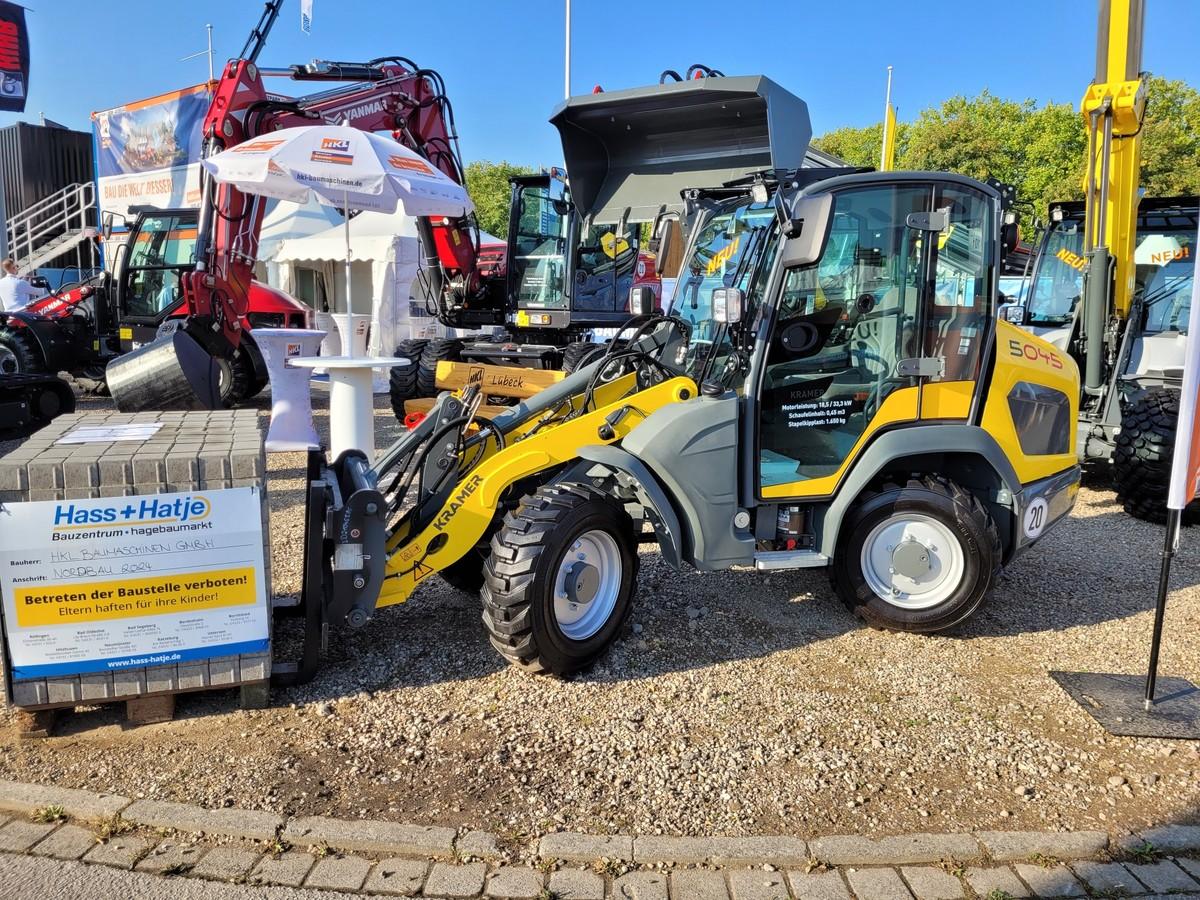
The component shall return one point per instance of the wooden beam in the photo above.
(424, 404)
(500, 381)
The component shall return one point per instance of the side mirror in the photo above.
(641, 301)
(1010, 236)
(106, 225)
(668, 247)
(728, 305)
(1014, 313)
(556, 189)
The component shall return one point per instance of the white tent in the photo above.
(286, 221)
(386, 259)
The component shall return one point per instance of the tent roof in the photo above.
(285, 221)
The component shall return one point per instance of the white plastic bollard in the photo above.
(291, 400)
(332, 344)
(353, 328)
(351, 402)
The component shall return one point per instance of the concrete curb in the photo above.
(442, 861)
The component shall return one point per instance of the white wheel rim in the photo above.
(913, 561)
(9, 364)
(581, 616)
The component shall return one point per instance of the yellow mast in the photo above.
(1113, 109)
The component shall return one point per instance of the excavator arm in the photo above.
(387, 94)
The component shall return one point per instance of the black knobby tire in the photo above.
(1141, 469)
(237, 379)
(402, 380)
(521, 571)
(436, 351)
(574, 353)
(22, 356)
(949, 504)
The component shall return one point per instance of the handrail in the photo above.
(63, 214)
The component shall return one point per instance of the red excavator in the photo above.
(181, 368)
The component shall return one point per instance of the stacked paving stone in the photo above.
(191, 451)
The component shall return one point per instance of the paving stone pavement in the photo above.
(335, 858)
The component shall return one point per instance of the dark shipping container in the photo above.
(37, 161)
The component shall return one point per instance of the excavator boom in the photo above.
(180, 370)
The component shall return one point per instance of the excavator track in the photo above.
(27, 402)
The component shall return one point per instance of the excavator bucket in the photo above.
(173, 372)
(634, 150)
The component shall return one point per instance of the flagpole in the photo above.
(567, 55)
(210, 53)
(887, 104)
(1170, 545)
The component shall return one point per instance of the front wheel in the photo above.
(919, 557)
(560, 579)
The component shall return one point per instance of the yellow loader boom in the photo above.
(1113, 108)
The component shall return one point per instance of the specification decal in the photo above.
(101, 585)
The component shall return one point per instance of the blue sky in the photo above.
(502, 60)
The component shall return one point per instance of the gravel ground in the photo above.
(734, 703)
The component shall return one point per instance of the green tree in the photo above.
(487, 184)
(1171, 139)
(1042, 150)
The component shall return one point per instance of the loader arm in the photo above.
(465, 516)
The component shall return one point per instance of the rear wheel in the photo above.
(436, 351)
(918, 557)
(19, 355)
(402, 380)
(1141, 469)
(574, 353)
(560, 579)
(236, 379)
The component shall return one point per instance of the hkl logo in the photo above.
(337, 144)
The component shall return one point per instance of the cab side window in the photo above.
(961, 304)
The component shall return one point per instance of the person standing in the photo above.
(15, 292)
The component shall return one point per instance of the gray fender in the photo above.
(940, 440)
(645, 487)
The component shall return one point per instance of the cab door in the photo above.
(884, 329)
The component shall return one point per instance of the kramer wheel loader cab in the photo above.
(830, 388)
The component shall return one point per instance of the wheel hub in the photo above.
(911, 559)
(582, 582)
(8, 362)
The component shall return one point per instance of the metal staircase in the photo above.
(53, 226)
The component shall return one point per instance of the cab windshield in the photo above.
(735, 248)
(1166, 265)
(1058, 282)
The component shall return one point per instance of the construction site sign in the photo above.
(102, 585)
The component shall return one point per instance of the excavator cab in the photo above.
(162, 365)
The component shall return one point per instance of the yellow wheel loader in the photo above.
(830, 387)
